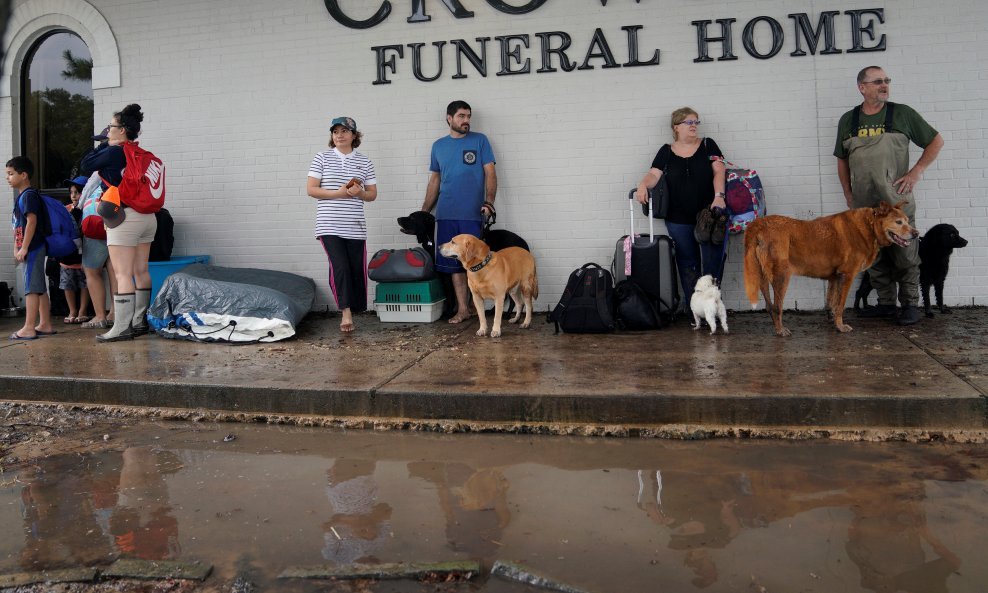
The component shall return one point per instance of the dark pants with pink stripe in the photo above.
(347, 271)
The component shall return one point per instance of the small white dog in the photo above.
(706, 304)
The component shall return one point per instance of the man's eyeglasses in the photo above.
(878, 81)
(691, 122)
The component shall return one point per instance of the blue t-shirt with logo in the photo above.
(460, 164)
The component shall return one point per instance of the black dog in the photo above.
(423, 226)
(935, 248)
(501, 239)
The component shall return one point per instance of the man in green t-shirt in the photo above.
(872, 153)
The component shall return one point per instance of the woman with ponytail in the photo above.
(129, 233)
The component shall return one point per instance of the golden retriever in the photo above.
(494, 274)
(834, 248)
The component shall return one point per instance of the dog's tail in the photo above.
(752, 266)
(530, 285)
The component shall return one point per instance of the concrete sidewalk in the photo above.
(929, 377)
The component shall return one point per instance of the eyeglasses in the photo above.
(691, 122)
(878, 81)
(114, 126)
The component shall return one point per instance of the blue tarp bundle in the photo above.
(216, 304)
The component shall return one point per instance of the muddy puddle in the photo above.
(595, 515)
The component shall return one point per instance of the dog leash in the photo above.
(492, 218)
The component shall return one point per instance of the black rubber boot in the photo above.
(910, 315)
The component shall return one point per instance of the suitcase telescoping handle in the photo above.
(631, 208)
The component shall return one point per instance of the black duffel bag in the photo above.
(634, 308)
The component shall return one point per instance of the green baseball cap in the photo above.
(346, 122)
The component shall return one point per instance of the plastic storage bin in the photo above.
(427, 291)
(410, 313)
(162, 269)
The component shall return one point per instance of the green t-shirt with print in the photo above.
(905, 120)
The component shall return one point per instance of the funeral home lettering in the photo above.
(552, 51)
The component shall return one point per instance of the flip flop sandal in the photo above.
(82, 319)
(42, 334)
(70, 320)
(15, 336)
(96, 324)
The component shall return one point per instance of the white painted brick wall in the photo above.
(238, 95)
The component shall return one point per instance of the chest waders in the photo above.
(875, 162)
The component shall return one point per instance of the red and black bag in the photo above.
(401, 265)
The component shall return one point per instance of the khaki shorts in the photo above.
(136, 229)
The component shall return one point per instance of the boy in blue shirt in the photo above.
(464, 183)
(30, 222)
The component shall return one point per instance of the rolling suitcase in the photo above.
(651, 261)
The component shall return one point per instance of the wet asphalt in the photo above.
(931, 377)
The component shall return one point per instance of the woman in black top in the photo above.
(696, 182)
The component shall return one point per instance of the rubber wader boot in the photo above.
(142, 298)
(879, 311)
(909, 315)
(122, 320)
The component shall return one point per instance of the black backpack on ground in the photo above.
(587, 304)
(164, 237)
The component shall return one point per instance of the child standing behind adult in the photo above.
(72, 280)
(95, 255)
(30, 221)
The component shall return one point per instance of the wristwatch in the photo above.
(720, 194)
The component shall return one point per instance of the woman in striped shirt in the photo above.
(342, 179)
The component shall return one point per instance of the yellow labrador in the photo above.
(494, 274)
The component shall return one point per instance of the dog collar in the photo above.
(481, 265)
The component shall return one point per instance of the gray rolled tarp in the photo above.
(217, 304)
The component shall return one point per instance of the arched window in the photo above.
(57, 107)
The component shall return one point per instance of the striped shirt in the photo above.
(341, 217)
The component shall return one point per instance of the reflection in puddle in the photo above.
(601, 515)
(360, 522)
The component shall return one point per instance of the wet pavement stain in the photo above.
(598, 515)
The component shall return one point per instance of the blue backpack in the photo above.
(63, 238)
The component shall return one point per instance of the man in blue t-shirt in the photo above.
(464, 182)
